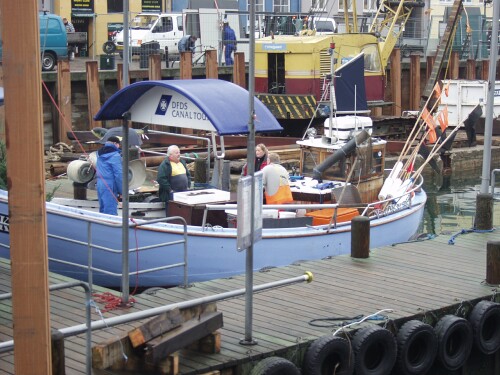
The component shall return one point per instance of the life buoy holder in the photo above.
(485, 321)
(454, 341)
(275, 366)
(375, 351)
(417, 348)
(329, 355)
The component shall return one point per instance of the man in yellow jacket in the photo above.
(275, 180)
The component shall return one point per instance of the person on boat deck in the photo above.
(187, 43)
(275, 180)
(173, 175)
(229, 41)
(109, 176)
(260, 158)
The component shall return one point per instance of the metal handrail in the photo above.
(91, 246)
(9, 345)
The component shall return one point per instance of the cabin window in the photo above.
(144, 22)
(372, 58)
(310, 159)
(276, 73)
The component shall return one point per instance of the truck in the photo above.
(167, 29)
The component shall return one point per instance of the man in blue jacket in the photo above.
(229, 41)
(109, 176)
(173, 175)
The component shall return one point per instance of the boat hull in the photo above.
(210, 254)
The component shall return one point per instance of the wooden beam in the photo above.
(2, 110)
(211, 67)
(485, 66)
(396, 82)
(428, 67)
(26, 186)
(189, 332)
(239, 70)
(186, 65)
(155, 327)
(414, 82)
(65, 122)
(119, 76)
(454, 66)
(93, 93)
(471, 69)
(154, 67)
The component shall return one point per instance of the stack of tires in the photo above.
(375, 350)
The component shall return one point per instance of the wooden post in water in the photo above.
(428, 66)
(186, 72)
(396, 81)
(93, 92)
(471, 69)
(119, 76)
(360, 237)
(239, 70)
(414, 82)
(484, 211)
(26, 176)
(453, 73)
(64, 101)
(211, 68)
(58, 358)
(493, 262)
(154, 71)
(485, 67)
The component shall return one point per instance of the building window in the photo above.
(115, 6)
(319, 4)
(370, 5)
(281, 6)
(349, 5)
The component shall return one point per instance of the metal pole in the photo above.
(126, 43)
(251, 172)
(488, 122)
(125, 248)
(126, 318)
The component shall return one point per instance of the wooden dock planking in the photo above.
(411, 278)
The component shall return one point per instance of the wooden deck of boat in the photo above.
(420, 279)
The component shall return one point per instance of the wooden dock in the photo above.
(423, 280)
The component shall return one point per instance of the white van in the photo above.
(164, 28)
(323, 25)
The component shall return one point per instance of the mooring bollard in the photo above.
(493, 262)
(79, 190)
(57, 345)
(200, 170)
(484, 211)
(360, 237)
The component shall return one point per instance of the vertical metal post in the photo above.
(488, 122)
(126, 42)
(251, 172)
(125, 248)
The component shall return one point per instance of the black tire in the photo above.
(375, 351)
(454, 341)
(275, 366)
(49, 61)
(485, 321)
(329, 355)
(109, 47)
(417, 348)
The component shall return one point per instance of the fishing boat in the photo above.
(87, 245)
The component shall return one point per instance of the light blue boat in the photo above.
(165, 254)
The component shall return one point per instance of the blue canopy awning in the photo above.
(205, 104)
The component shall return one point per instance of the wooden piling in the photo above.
(360, 237)
(485, 67)
(154, 68)
(484, 211)
(239, 70)
(453, 73)
(58, 358)
(186, 65)
(493, 262)
(471, 69)
(396, 81)
(211, 67)
(414, 82)
(93, 92)
(64, 101)
(428, 66)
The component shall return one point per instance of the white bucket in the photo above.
(286, 214)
